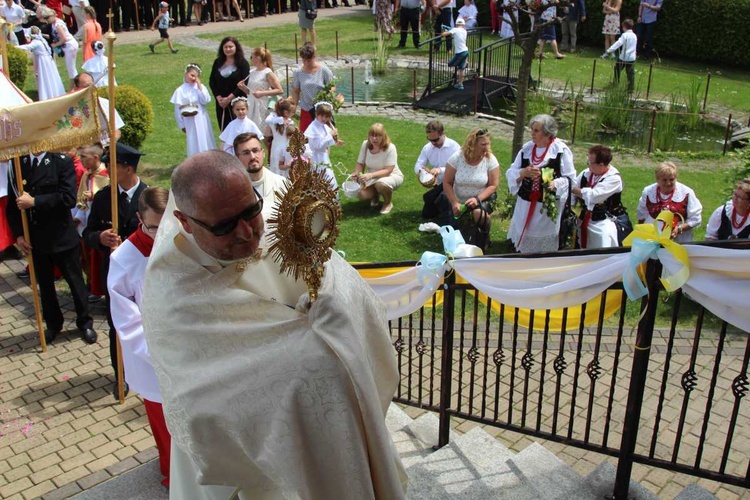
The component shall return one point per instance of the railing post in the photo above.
(705, 95)
(287, 78)
(651, 133)
(352, 68)
(575, 123)
(593, 73)
(726, 134)
(337, 45)
(637, 381)
(446, 364)
(414, 86)
(648, 86)
(296, 50)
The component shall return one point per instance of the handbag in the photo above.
(568, 224)
(311, 13)
(474, 233)
(622, 222)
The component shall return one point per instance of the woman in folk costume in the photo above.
(127, 270)
(599, 188)
(48, 82)
(98, 66)
(531, 229)
(190, 101)
(241, 124)
(668, 194)
(62, 38)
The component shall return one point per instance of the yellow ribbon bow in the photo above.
(645, 241)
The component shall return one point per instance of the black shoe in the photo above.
(23, 274)
(11, 253)
(114, 391)
(401, 46)
(93, 299)
(89, 335)
(50, 335)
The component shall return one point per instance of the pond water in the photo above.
(396, 85)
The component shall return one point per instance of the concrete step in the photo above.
(602, 482)
(410, 449)
(694, 492)
(549, 476)
(396, 418)
(425, 428)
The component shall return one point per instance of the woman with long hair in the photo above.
(229, 69)
(377, 169)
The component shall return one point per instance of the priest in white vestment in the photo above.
(263, 396)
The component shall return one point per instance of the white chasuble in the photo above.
(261, 396)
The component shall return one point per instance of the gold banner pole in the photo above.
(114, 193)
(30, 257)
(4, 46)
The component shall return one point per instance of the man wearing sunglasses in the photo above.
(265, 395)
(432, 160)
(249, 150)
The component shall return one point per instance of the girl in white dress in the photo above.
(61, 37)
(48, 81)
(261, 83)
(98, 66)
(320, 136)
(190, 101)
(276, 126)
(241, 124)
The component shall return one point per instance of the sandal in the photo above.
(386, 209)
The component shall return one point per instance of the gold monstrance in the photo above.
(304, 221)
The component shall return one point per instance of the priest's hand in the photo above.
(23, 245)
(109, 238)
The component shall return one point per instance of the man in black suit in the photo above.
(99, 233)
(49, 193)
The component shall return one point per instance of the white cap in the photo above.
(460, 21)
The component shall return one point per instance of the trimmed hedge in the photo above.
(136, 111)
(18, 61)
(712, 31)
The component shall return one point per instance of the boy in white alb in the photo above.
(127, 271)
(460, 50)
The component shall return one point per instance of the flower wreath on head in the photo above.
(320, 103)
(194, 66)
(237, 99)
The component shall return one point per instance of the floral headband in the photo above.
(193, 66)
(237, 99)
(320, 103)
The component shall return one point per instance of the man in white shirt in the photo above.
(248, 148)
(627, 44)
(14, 14)
(432, 160)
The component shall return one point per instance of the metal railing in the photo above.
(669, 397)
(501, 63)
(440, 53)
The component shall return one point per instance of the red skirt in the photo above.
(6, 235)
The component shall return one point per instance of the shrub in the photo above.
(686, 28)
(18, 62)
(136, 111)
(702, 30)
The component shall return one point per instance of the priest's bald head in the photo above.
(218, 205)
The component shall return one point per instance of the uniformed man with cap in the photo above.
(49, 181)
(99, 233)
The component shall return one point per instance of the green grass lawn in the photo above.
(366, 235)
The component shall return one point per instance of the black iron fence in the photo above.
(501, 63)
(668, 396)
(440, 53)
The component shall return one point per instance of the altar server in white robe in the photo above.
(127, 269)
(190, 101)
(48, 81)
(263, 395)
(598, 187)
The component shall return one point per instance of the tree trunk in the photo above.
(522, 88)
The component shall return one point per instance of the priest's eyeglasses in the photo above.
(225, 227)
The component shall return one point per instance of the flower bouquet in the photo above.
(549, 200)
(327, 94)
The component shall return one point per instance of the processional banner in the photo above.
(52, 125)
